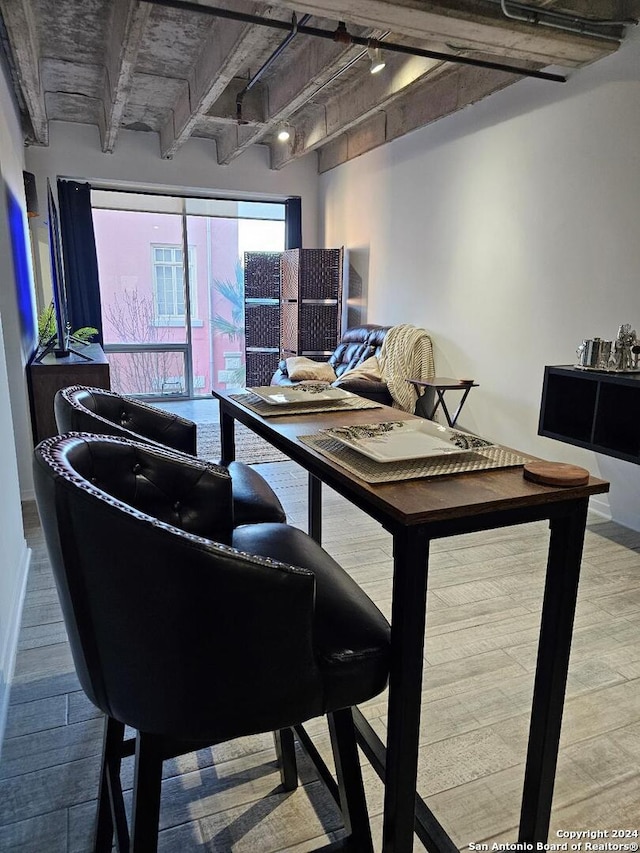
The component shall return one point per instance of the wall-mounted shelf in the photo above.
(596, 410)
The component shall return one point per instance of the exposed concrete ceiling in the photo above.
(180, 72)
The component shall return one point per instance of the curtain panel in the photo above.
(80, 259)
(293, 223)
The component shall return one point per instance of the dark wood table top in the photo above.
(409, 502)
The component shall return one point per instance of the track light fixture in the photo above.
(376, 59)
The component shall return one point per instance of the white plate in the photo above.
(286, 395)
(395, 441)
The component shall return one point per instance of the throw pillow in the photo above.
(369, 369)
(301, 368)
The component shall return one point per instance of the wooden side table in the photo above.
(49, 375)
(431, 396)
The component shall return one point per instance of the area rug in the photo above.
(250, 447)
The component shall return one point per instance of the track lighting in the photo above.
(376, 59)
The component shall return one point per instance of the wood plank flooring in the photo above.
(483, 615)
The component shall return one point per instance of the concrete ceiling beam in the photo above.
(226, 50)
(254, 108)
(288, 93)
(340, 114)
(427, 102)
(128, 21)
(21, 28)
(212, 124)
(450, 22)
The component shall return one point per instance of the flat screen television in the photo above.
(58, 343)
(61, 345)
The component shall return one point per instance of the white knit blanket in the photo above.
(406, 353)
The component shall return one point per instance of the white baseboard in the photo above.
(600, 505)
(9, 649)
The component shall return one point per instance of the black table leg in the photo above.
(410, 559)
(452, 421)
(558, 610)
(427, 405)
(314, 508)
(227, 436)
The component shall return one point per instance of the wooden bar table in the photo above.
(415, 512)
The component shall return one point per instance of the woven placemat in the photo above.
(258, 405)
(413, 469)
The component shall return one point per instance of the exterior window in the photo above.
(168, 284)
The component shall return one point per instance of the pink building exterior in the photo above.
(139, 260)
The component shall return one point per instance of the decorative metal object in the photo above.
(619, 356)
(622, 357)
(594, 353)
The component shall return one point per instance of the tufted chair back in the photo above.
(82, 409)
(167, 625)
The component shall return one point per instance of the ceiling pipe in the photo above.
(560, 20)
(343, 36)
(276, 53)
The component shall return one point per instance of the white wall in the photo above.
(511, 231)
(74, 151)
(14, 554)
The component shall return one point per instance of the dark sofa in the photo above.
(356, 346)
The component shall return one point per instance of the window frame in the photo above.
(174, 319)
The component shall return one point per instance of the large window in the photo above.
(169, 285)
(154, 348)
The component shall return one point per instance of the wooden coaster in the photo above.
(556, 474)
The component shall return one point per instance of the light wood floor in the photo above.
(484, 600)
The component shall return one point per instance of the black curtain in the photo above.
(80, 260)
(293, 223)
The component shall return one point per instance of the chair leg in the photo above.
(352, 799)
(286, 755)
(147, 785)
(110, 805)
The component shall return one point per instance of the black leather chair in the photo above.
(193, 631)
(357, 344)
(83, 409)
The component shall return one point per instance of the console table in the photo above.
(416, 512)
(49, 375)
(427, 390)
